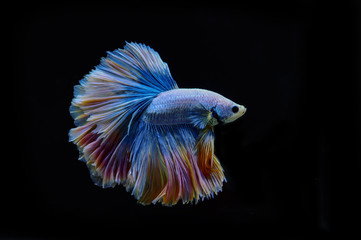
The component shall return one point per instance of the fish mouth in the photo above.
(241, 111)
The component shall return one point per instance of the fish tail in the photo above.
(107, 106)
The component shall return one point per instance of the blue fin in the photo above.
(107, 106)
(200, 117)
(165, 166)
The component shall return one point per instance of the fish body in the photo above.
(182, 106)
(135, 127)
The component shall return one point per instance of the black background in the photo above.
(292, 162)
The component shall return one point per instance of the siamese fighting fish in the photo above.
(136, 127)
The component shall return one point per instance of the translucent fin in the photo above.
(107, 106)
(207, 161)
(200, 117)
(165, 166)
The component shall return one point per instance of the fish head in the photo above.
(227, 111)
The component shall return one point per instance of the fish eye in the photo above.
(235, 109)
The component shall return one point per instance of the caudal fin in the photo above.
(107, 105)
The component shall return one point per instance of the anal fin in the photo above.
(166, 166)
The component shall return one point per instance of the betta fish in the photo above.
(135, 127)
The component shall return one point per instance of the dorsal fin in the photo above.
(143, 65)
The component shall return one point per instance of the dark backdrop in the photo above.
(292, 162)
